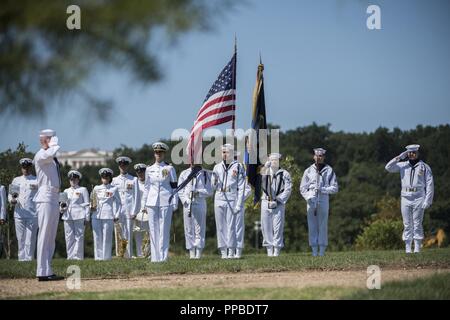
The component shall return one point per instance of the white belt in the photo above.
(52, 189)
(416, 189)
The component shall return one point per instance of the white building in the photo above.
(86, 157)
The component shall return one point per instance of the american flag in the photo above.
(218, 108)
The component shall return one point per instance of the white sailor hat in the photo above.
(127, 160)
(227, 147)
(105, 172)
(320, 151)
(74, 173)
(413, 148)
(25, 162)
(160, 146)
(47, 133)
(275, 156)
(140, 166)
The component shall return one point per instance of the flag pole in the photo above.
(233, 125)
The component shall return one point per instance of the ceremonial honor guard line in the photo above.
(136, 211)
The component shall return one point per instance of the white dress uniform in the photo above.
(129, 194)
(240, 222)
(2, 203)
(276, 190)
(141, 221)
(46, 199)
(160, 180)
(108, 208)
(228, 181)
(25, 216)
(3, 215)
(193, 198)
(416, 195)
(74, 217)
(315, 187)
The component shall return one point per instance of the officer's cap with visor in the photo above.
(25, 162)
(47, 133)
(160, 146)
(123, 160)
(105, 172)
(74, 174)
(140, 167)
(413, 148)
(319, 151)
(275, 156)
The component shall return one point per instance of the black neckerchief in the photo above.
(319, 166)
(413, 162)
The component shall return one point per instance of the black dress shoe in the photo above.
(53, 277)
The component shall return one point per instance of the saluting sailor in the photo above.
(47, 206)
(276, 185)
(141, 222)
(76, 213)
(20, 195)
(107, 205)
(160, 181)
(228, 181)
(193, 198)
(318, 182)
(129, 195)
(416, 194)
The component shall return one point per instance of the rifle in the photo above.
(191, 197)
(317, 188)
(191, 175)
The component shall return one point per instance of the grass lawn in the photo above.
(349, 260)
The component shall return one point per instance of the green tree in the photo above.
(41, 59)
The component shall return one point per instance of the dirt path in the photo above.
(297, 279)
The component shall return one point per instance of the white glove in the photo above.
(267, 164)
(272, 204)
(53, 141)
(425, 205)
(403, 155)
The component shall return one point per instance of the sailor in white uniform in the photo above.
(46, 199)
(193, 198)
(416, 194)
(318, 182)
(75, 214)
(141, 228)
(228, 181)
(106, 206)
(160, 181)
(129, 195)
(21, 193)
(3, 212)
(240, 219)
(276, 185)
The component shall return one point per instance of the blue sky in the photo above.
(322, 64)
